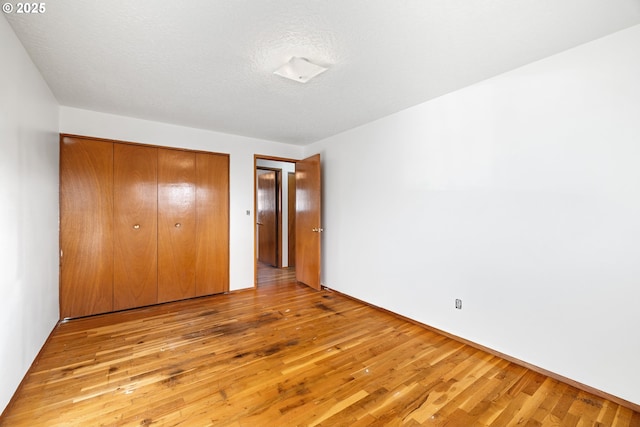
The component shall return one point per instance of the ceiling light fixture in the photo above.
(300, 70)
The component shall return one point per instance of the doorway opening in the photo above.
(275, 220)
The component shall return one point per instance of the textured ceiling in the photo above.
(209, 64)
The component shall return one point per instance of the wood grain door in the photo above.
(308, 221)
(135, 212)
(86, 227)
(291, 206)
(212, 223)
(267, 217)
(176, 224)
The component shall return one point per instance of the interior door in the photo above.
(135, 211)
(308, 221)
(291, 206)
(176, 224)
(267, 218)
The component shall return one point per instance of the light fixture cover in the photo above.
(300, 70)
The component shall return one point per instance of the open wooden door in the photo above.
(267, 218)
(308, 221)
(291, 213)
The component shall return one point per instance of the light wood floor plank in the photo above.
(284, 355)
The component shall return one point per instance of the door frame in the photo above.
(257, 157)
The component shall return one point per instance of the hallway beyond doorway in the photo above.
(268, 275)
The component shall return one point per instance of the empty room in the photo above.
(320, 213)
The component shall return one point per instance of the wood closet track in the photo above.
(140, 225)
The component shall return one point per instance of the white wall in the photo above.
(286, 167)
(521, 196)
(28, 212)
(241, 150)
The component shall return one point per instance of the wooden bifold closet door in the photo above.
(212, 217)
(140, 225)
(136, 217)
(86, 227)
(176, 225)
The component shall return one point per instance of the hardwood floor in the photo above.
(284, 355)
(268, 275)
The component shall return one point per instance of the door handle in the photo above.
(259, 223)
(318, 230)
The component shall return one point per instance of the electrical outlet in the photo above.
(459, 304)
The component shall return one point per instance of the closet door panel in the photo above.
(176, 224)
(86, 227)
(212, 211)
(135, 216)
